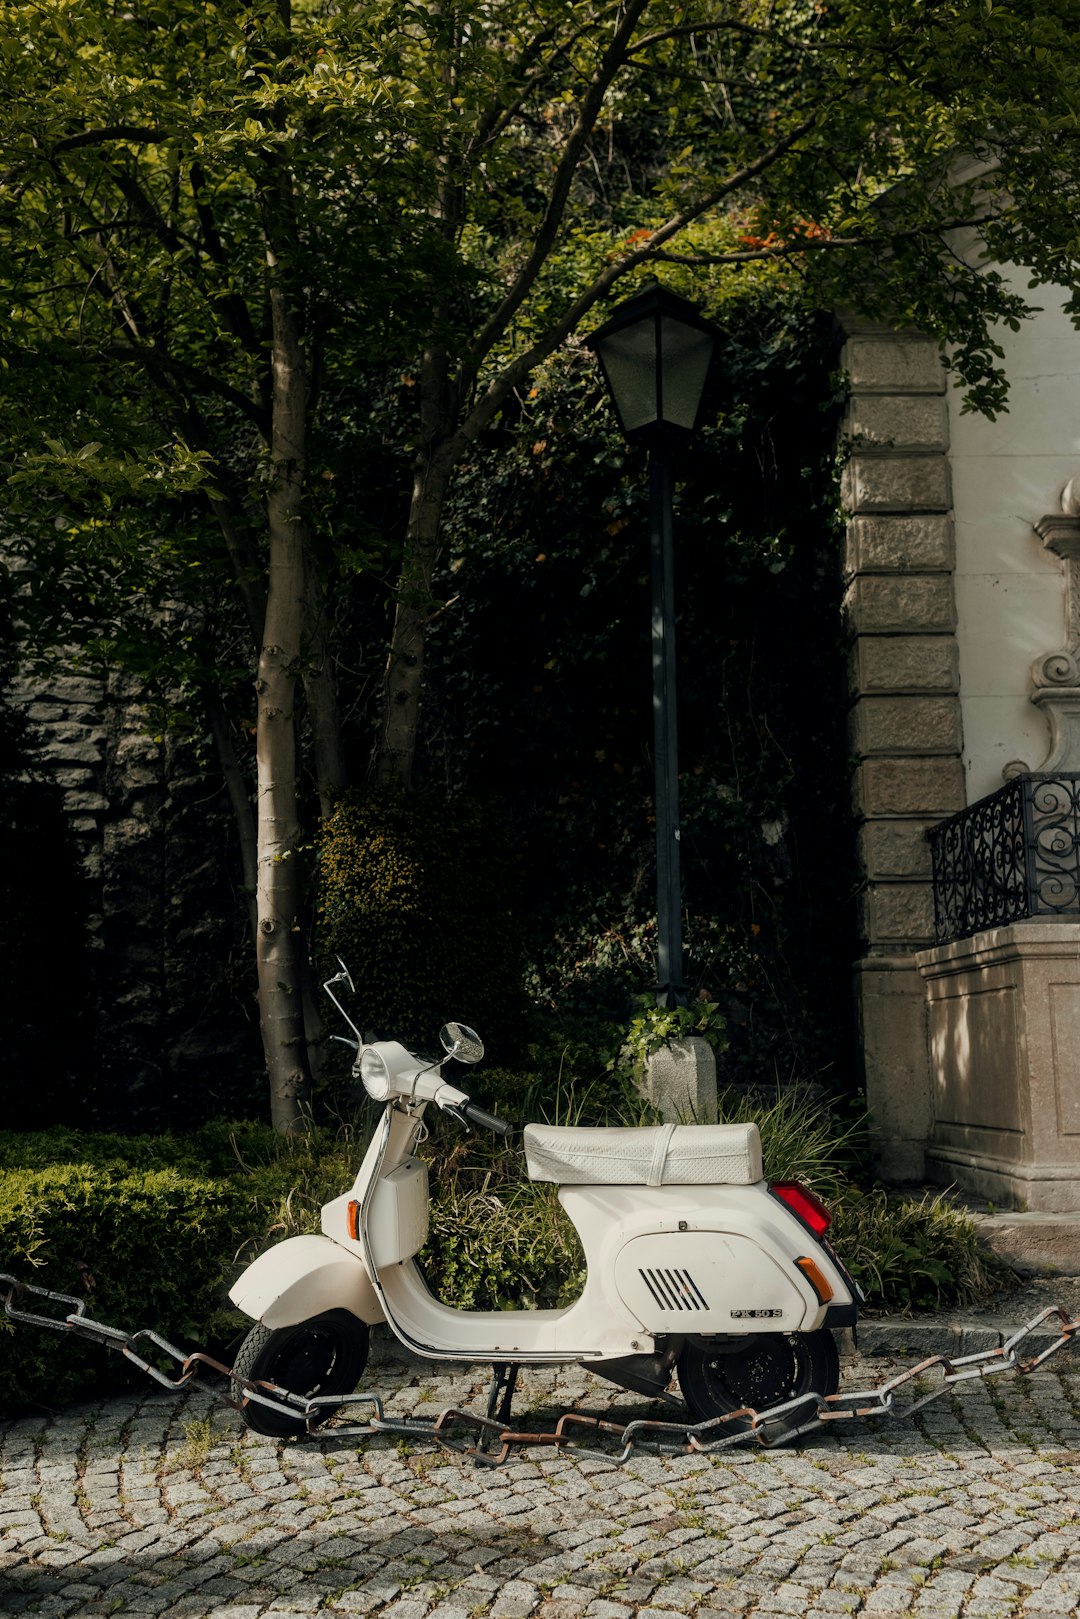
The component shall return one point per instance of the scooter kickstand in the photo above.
(504, 1382)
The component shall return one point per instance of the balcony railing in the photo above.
(1014, 854)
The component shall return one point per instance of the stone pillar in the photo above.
(905, 711)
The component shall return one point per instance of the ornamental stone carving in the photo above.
(1056, 676)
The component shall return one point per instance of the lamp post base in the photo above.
(680, 1081)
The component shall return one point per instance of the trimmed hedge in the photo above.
(144, 1249)
(150, 1230)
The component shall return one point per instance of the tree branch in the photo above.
(203, 380)
(245, 565)
(500, 111)
(591, 107)
(502, 385)
(232, 303)
(819, 244)
(111, 132)
(691, 29)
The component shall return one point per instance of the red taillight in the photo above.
(803, 1205)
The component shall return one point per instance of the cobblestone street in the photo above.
(165, 1505)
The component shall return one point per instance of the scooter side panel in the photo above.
(709, 1282)
(767, 1243)
(302, 1277)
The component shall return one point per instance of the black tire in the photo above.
(762, 1371)
(325, 1355)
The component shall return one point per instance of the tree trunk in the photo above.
(320, 690)
(279, 950)
(440, 446)
(405, 663)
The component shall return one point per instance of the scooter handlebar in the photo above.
(476, 1115)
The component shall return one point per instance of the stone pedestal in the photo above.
(680, 1081)
(1003, 1013)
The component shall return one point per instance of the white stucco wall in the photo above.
(1009, 592)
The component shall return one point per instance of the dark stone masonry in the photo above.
(175, 1020)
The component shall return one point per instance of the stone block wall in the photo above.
(905, 721)
(175, 1033)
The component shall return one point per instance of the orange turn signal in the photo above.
(817, 1280)
(352, 1221)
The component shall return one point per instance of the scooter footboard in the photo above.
(302, 1277)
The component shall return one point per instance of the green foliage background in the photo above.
(540, 690)
(416, 895)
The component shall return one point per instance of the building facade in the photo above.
(963, 609)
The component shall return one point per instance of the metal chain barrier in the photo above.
(777, 1425)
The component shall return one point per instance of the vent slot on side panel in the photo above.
(674, 1289)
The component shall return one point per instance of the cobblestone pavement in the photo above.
(160, 1504)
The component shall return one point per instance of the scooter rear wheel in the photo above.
(766, 1370)
(325, 1355)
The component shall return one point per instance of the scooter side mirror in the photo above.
(342, 976)
(461, 1042)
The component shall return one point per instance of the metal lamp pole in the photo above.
(655, 353)
(670, 989)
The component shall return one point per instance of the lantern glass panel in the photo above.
(686, 352)
(628, 357)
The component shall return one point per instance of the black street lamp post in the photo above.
(654, 353)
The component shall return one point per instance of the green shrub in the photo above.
(504, 1248)
(416, 898)
(496, 1240)
(146, 1248)
(802, 1137)
(150, 1231)
(913, 1253)
(218, 1148)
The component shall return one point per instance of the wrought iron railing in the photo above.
(1014, 854)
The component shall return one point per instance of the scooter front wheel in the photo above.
(765, 1370)
(325, 1355)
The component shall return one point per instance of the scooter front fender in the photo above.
(302, 1277)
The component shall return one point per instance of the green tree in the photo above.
(188, 247)
(211, 218)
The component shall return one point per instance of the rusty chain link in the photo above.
(811, 1411)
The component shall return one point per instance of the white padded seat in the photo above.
(658, 1155)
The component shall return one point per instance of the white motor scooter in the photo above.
(695, 1264)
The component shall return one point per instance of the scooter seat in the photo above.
(658, 1155)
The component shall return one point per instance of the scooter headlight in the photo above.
(375, 1074)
